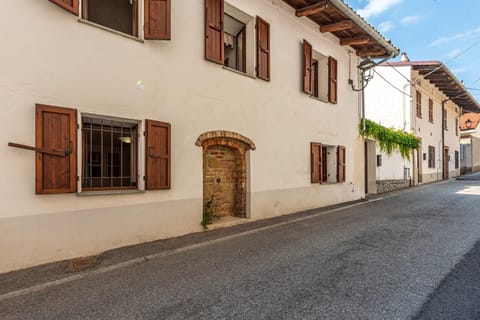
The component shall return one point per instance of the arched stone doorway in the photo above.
(225, 172)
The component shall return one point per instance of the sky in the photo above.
(443, 30)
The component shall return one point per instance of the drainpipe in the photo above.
(443, 139)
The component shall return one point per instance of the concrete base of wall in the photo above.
(391, 185)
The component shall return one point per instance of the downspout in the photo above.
(443, 139)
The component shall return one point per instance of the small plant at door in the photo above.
(208, 213)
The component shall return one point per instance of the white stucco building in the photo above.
(120, 134)
(470, 142)
(426, 99)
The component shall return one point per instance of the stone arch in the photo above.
(225, 171)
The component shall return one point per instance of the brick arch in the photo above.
(225, 171)
(226, 138)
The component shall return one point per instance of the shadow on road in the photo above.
(458, 295)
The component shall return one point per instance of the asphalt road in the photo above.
(410, 255)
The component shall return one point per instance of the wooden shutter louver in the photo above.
(157, 149)
(332, 80)
(316, 162)
(263, 49)
(214, 42)
(341, 160)
(307, 67)
(158, 19)
(69, 5)
(56, 131)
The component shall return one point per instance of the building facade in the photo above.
(423, 98)
(116, 134)
(470, 143)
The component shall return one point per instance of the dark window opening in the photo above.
(324, 164)
(431, 157)
(235, 44)
(120, 15)
(379, 160)
(457, 159)
(109, 154)
(315, 78)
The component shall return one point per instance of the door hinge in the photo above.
(144, 133)
(78, 126)
(144, 178)
(78, 178)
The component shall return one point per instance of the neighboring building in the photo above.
(423, 98)
(470, 142)
(249, 104)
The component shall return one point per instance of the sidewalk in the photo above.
(470, 176)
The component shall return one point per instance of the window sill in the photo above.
(108, 192)
(319, 99)
(93, 24)
(239, 72)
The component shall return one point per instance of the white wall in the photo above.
(386, 105)
(48, 57)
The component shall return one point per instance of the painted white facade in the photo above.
(470, 150)
(394, 105)
(49, 57)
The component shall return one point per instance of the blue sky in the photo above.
(431, 30)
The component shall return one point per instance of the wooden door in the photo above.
(446, 159)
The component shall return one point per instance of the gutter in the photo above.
(392, 51)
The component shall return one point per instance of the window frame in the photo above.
(136, 153)
(430, 110)
(418, 103)
(431, 157)
(85, 13)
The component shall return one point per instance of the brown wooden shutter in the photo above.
(69, 5)
(332, 80)
(341, 164)
(158, 19)
(307, 67)
(263, 49)
(214, 42)
(157, 148)
(316, 162)
(56, 131)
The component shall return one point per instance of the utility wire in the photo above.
(393, 67)
(391, 84)
(455, 57)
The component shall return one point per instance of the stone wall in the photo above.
(391, 185)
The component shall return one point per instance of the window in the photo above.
(379, 160)
(327, 163)
(457, 160)
(230, 39)
(122, 15)
(319, 74)
(430, 110)
(431, 157)
(109, 152)
(419, 104)
(445, 119)
(109, 159)
(117, 15)
(456, 127)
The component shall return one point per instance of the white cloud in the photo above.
(462, 35)
(453, 53)
(385, 26)
(458, 70)
(409, 19)
(376, 7)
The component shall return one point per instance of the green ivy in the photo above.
(390, 139)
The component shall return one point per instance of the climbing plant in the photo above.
(390, 139)
(208, 213)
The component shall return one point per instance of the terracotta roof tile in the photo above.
(469, 121)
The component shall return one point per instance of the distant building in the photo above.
(470, 142)
(423, 98)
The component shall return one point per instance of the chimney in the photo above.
(404, 57)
